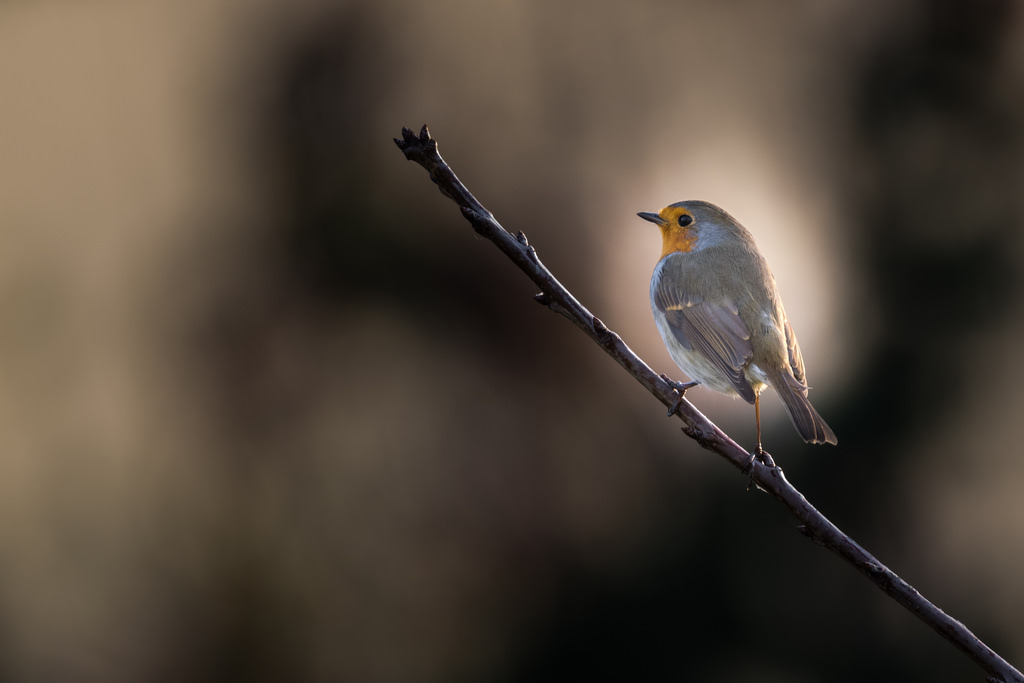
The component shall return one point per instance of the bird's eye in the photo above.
(684, 220)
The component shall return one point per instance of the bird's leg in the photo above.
(760, 453)
(757, 419)
(680, 388)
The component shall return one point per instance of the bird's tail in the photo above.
(811, 426)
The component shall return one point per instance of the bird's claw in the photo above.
(680, 389)
(762, 456)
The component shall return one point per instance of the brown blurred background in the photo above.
(268, 411)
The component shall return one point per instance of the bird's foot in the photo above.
(762, 456)
(679, 388)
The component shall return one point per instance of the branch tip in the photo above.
(408, 138)
(411, 143)
(542, 298)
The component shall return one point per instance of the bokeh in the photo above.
(270, 411)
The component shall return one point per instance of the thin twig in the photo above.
(422, 149)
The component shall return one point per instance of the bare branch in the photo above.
(422, 149)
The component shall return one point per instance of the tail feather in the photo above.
(811, 426)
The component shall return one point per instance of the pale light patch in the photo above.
(793, 222)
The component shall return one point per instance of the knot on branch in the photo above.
(694, 433)
(475, 218)
(875, 569)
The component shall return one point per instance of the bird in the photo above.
(718, 309)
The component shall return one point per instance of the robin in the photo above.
(718, 309)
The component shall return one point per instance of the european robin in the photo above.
(720, 315)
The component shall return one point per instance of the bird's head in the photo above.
(691, 225)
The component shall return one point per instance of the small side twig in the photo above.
(422, 149)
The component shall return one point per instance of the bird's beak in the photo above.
(652, 217)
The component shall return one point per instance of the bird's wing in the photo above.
(796, 359)
(715, 330)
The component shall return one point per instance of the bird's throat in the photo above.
(676, 240)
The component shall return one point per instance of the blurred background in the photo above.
(269, 411)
